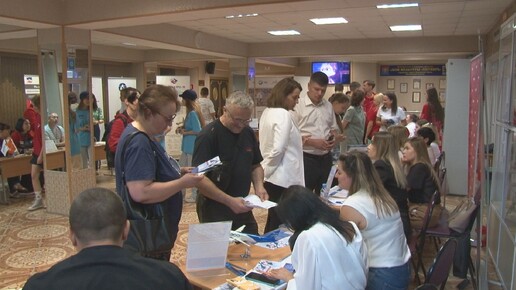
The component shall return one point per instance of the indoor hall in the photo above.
(224, 46)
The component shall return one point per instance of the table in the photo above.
(202, 280)
(20, 165)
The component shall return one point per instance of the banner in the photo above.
(413, 70)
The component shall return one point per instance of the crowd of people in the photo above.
(301, 137)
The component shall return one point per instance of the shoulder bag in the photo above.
(149, 234)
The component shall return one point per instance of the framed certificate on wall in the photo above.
(416, 97)
(416, 84)
(403, 87)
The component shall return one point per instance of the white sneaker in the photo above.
(37, 204)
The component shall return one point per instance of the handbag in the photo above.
(417, 213)
(149, 234)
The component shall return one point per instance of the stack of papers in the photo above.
(253, 201)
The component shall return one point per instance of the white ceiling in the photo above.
(439, 18)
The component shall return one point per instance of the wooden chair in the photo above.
(417, 242)
(440, 270)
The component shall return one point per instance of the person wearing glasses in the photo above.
(151, 175)
(230, 138)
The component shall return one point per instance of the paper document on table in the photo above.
(207, 246)
(253, 200)
(208, 165)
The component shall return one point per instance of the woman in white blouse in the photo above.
(280, 144)
(327, 253)
(390, 114)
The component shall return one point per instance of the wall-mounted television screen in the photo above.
(337, 72)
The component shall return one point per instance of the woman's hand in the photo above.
(191, 179)
(185, 170)
(281, 273)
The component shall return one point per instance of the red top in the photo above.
(35, 129)
(117, 128)
(368, 102)
(371, 116)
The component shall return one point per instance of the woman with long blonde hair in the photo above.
(371, 207)
(422, 181)
(384, 153)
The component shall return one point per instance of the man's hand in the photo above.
(262, 193)
(237, 205)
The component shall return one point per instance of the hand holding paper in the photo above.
(253, 200)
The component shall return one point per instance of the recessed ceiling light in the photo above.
(284, 32)
(405, 27)
(241, 15)
(402, 5)
(128, 44)
(330, 20)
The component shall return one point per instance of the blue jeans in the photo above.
(394, 278)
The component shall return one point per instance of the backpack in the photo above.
(110, 155)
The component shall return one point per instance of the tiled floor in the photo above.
(31, 242)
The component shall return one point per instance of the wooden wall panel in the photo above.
(12, 97)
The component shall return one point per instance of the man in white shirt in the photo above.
(53, 131)
(318, 127)
(207, 108)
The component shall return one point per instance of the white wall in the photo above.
(456, 124)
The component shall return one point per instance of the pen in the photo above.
(239, 271)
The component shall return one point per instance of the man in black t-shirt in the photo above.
(231, 139)
(98, 227)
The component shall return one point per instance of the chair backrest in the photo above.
(440, 163)
(426, 221)
(440, 269)
(426, 286)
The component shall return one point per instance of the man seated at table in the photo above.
(98, 228)
(53, 131)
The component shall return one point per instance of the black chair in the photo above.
(440, 270)
(443, 230)
(417, 241)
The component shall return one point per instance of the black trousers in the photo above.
(317, 168)
(275, 193)
(209, 211)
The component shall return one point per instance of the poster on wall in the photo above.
(180, 83)
(413, 70)
(114, 87)
(31, 84)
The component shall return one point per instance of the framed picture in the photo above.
(390, 84)
(403, 87)
(416, 84)
(442, 84)
(429, 85)
(416, 97)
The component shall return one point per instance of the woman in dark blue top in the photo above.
(151, 175)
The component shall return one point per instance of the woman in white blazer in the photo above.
(281, 144)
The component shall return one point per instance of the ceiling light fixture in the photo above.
(128, 44)
(402, 5)
(405, 27)
(241, 15)
(330, 20)
(283, 32)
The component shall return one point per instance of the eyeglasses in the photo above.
(168, 119)
(240, 121)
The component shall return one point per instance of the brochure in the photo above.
(207, 166)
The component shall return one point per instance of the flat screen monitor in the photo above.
(337, 72)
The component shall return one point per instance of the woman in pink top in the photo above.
(433, 111)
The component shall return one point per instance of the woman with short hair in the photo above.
(151, 175)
